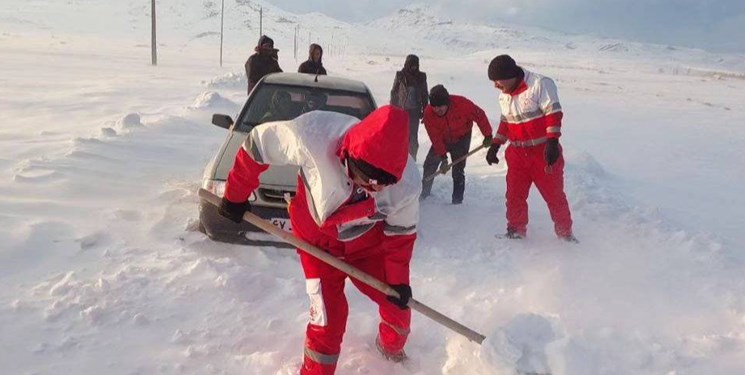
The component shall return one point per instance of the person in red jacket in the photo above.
(531, 122)
(448, 120)
(357, 198)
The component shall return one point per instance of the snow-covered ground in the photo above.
(101, 155)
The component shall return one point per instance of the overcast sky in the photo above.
(716, 25)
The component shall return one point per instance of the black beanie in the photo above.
(439, 96)
(503, 67)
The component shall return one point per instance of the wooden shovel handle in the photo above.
(349, 270)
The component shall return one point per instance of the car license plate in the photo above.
(281, 223)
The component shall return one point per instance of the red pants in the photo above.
(526, 165)
(329, 310)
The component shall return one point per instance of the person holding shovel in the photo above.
(357, 198)
(531, 122)
(448, 120)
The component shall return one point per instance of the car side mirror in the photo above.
(223, 121)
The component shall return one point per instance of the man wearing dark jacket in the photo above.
(314, 64)
(261, 63)
(448, 120)
(409, 92)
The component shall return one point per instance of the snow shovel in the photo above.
(350, 270)
(446, 168)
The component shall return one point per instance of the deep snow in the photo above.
(101, 155)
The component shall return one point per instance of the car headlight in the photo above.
(217, 187)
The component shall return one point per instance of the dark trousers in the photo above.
(413, 131)
(432, 164)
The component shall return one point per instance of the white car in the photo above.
(276, 97)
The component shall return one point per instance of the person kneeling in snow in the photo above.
(357, 198)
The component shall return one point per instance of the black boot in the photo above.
(513, 234)
(569, 238)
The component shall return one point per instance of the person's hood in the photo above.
(263, 40)
(410, 60)
(310, 52)
(265, 44)
(381, 139)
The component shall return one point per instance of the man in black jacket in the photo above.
(410, 93)
(314, 64)
(263, 62)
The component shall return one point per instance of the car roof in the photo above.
(309, 80)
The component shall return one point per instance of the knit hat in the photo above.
(439, 96)
(503, 67)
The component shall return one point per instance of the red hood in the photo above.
(381, 139)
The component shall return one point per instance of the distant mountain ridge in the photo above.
(416, 28)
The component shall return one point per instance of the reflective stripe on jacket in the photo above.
(385, 222)
(531, 112)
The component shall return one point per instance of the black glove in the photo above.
(444, 167)
(552, 152)
(405, 292)
(491, 155)
(487, 141)
(233, 211)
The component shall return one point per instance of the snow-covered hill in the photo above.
(428, 24)
(101, 155)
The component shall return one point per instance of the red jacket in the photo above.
(321, 212)
(456, 123)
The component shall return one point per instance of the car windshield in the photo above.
(280, 103)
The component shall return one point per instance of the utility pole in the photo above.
(261, 21)
(153, 44)
(294, 53)
(297, 40)
(222, 29)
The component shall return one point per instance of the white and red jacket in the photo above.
(531, 114)
(322, 212)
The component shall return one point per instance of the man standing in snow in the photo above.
(357, 198)
(531, 122)
(314, 64)
(410, 93)
(448, 120)
(262, 62)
